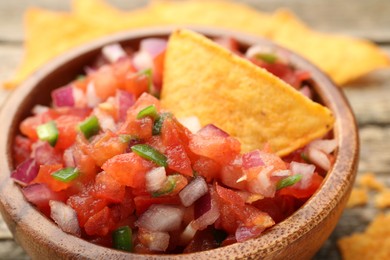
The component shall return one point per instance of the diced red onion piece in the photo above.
(325, 145)
(124, 101)
(25, 172)
(252, 159)
(153, 46)
(161, 218)
(113, 52)
(193, 191)
(319, 158)
(191, 122)
(68, 157)
(39, 194)
(212, 130)
(143, 60)
(44, 153)
(307, 171)
(92, 99)
(39, 109)
(63, 97)
(90, 70)
(209, 217)
(202, 205)
(65, 217)
(155, 179)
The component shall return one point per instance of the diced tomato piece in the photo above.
(106, 146)
(128, 169)
(142, 203)
(67, 132)
(101, 223)
(136, 84)
(122, 212)
(207, 168)
(142, 128)
(229, 196)
(158, 70)
(86, 206)
(175, 151)
(44, 176)
(230, 176)
(315, 183)
(212, 143)
(104, 82)
(280, 207)
(106, 187)
(84, 162)
(21, 149)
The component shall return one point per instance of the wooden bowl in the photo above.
(297, 237)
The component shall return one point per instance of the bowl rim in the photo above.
(336, 185)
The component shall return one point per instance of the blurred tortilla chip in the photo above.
(216, 13)
(205, 80)
(374, 243)
(49, 34)
(382, 199)
(112, 19)
(358, 197)
(343, 58)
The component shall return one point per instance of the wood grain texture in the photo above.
(369, 97)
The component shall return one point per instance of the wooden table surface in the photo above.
(369, 96)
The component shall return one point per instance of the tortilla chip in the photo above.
(343, 58)
(374, 243)
(368, 180)
(357, 57)
(222, 14)
(102, 15)
(359, 197)
(48, 34)
(382, 200)
(205, 80)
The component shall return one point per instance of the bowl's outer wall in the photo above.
(298, 237)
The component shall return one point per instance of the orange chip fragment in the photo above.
(368, 180)
(374, 243)
(358, 197)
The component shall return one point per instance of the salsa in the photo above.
(108, 164)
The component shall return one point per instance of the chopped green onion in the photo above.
(159, 122)
(122, 239)
(48, 132)
(148, 111)
(124, 138)
(288, 181)
(168, 186)
(267, 57)
(149, 153)
(89, 126)
(80, 77)
(66, 174)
